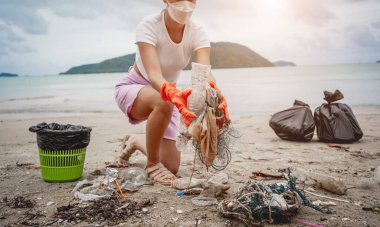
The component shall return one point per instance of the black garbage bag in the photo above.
(335, 122)
(54, 137)
(295, 123)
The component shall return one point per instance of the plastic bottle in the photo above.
(133, 178)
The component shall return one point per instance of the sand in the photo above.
(257, 149)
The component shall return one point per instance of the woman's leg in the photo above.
(149, 105)
(169, 156)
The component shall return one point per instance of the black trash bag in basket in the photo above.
(295, 123)
(335, 122)
(55, 137)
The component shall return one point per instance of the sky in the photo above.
(48, 37)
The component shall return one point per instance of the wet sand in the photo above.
(257, 149)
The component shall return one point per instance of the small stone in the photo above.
(144, 210)
(39, 198)
(345, 219)
(179, 211)
(365, 223)
(50, 203)
(77, 214)
(171, 208)
(175, 219)
(60, 220)
(359, 203)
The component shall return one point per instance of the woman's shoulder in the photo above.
(193, 25)
(151, 19)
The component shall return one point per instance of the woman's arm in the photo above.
(202, 56)
(167, 90)
(149, 57)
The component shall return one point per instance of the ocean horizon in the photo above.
(263, 90)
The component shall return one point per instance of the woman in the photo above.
(165, 43)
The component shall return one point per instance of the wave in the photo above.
(29, 98)
(62, 111)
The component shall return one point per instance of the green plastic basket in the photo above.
(62, 166)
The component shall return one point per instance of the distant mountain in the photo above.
(113, 65)
(284, 63)
(223, 55)
(233, 55)
(8, 75)
(378, 61)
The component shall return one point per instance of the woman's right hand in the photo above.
(170, 93)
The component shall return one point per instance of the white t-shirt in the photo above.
(173, 56)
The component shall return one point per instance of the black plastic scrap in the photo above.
(257, 203)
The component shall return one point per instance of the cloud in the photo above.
(23, 15)
(10, 41)
(361, 36)
(376, 25)
(86, 31)
(311, 12)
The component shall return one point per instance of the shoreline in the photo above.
(28, 114)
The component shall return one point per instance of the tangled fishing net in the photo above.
(256, 202)
(211, 141)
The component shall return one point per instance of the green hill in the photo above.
(233, 55)
(8, 75)
(113, 65)
(223, 55)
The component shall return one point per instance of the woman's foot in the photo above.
(159, 173)
(129, 145)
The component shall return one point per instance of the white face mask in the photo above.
(181, 11)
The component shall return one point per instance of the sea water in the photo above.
(247, 90)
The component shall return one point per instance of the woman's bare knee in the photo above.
(165, 108)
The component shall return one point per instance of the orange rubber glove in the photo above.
(179, 98)
(223, 105)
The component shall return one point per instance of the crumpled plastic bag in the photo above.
(216, 186)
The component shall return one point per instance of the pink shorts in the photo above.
(126, 92)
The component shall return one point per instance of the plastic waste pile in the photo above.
(131, 179)
(207, 190)
(256, 203)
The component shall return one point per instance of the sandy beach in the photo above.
(257, 149)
